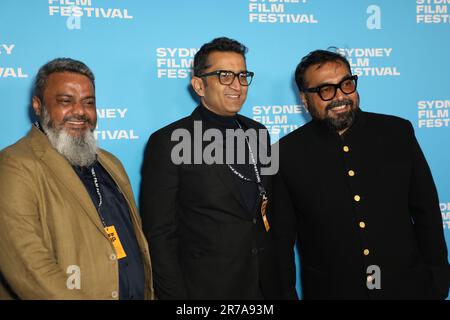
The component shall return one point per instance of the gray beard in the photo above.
(79, 151)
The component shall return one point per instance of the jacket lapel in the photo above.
(64, 173)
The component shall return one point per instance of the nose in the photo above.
(235, 85)
(78, 108)
(340, 94)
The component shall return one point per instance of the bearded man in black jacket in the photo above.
(356, 193)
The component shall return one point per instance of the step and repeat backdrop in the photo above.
(141, 53)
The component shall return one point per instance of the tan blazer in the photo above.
(51, 235)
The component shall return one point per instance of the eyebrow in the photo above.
(328, 83)
(71, 96)
(240, 71)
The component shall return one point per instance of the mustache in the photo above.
(338, 103)
(77, 118)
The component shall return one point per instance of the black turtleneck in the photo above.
(217, 121)
(248, 189)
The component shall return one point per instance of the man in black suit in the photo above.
(355, 191)
(205, 219)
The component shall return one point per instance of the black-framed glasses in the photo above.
(226, 77)
(328, 91)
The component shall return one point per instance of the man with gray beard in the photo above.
(69, 226)
(355, 192)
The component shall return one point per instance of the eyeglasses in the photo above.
(226, 77)
(328, 91)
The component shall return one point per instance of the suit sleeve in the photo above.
(159, 209)
(27, 264)
(285, 232)
(425, 211)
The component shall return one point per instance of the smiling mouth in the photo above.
(339, 108)
(79, 123)
(76, 124)
(233, 96)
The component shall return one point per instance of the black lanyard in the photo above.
(38, 125)
(100, 198)
(262, 190)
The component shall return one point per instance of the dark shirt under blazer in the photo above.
(114, 211)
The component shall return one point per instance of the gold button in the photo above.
(346, 149)
(351, 173)
(362, 225)
(366, 252)
(114, 294)
(357, 198)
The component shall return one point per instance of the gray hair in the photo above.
(59, 65)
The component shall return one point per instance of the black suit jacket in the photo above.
(395, 222)
(204, 242)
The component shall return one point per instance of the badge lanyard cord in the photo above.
(100, 197)
(111, 231)
(262, 190)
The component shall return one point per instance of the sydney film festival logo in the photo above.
(433, 113)
(280, 119)
(7, 51)
(75, 10)
(280, 12)
(175, 63)
(432, 12)
(370, 62)
(445, 211)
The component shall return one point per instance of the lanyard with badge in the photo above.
(111, 230)
(262, 190)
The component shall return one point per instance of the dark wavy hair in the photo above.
(222, 44)
(319, 57)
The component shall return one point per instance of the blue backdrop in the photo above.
(141, 53)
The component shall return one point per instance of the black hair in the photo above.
(222, 44)
(319, 57)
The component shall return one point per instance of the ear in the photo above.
(304, 100)
(198, 86)
(37, 106)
